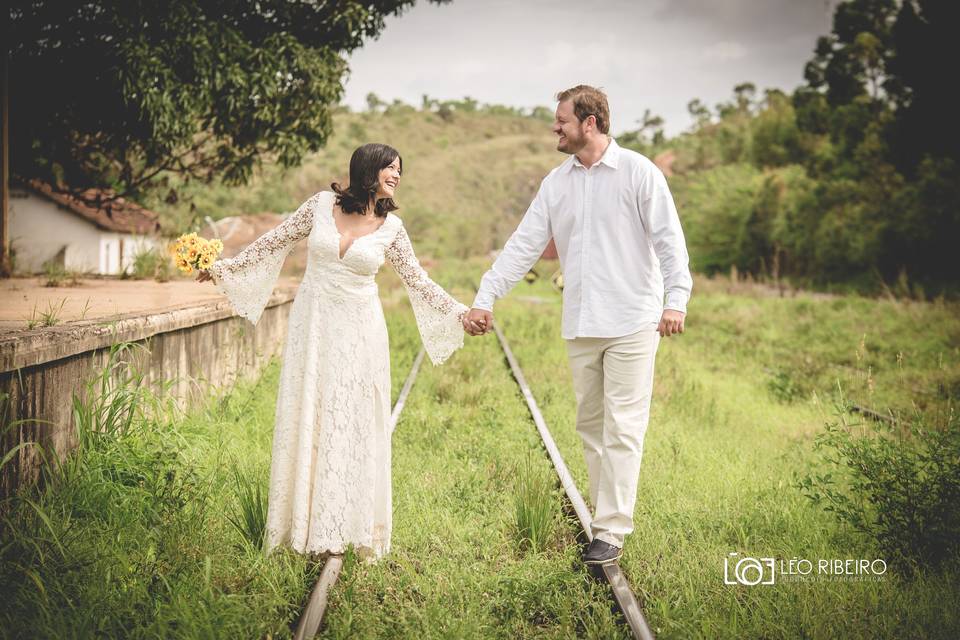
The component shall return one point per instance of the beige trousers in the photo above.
(613, 384)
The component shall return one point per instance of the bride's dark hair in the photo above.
(365, 165)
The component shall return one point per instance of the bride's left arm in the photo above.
(439, 315)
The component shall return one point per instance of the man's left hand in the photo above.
(671, 322)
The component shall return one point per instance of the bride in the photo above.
(330, 479)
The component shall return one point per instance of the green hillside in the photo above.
(468, 177)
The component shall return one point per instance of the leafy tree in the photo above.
(651, 125)
(374, 103)
(890, 192)
(699, 112)
(776, 140)
(853, 55)
(542, 113)
(923, 38)
(427, 103)
(744, 94)
(115, 92)
(648, 135)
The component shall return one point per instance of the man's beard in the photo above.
(570, 145)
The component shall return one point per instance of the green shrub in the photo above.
(783, 386)
(897, 485)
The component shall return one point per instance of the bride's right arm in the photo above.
(248, 278)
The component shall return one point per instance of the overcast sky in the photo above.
(656, 54)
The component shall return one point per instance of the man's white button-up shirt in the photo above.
(619, 240)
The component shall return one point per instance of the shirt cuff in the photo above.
(676, 301)
(483, 301)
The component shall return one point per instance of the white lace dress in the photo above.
(330, 480)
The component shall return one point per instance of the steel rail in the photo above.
(622, 593)
(312, 616)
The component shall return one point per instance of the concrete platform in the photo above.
(100, 298)
(193, 343)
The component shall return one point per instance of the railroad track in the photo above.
(622, 593)
(312, 615)
(626, 601)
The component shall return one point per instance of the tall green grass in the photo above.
(153, 531)
(128, 535)
(723, 447)
(535, 504)
(249, 517)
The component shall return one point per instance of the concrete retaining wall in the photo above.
(195, 348)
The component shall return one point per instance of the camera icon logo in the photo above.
(748, 571)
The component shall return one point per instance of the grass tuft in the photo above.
(250, 515)
(535, 505)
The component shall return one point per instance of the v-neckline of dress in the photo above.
(336, 230)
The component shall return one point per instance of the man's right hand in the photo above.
(478, 322)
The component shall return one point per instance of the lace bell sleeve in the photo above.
(437, 313)
(248, 278)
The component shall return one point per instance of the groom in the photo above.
(621, 248)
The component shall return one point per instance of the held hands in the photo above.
(478, 322)
(671, 322)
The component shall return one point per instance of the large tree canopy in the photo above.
(883, 65)
(114, 92)
(853, 179)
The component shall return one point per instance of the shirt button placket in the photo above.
(587, 238)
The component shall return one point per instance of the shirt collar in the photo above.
(610, 157)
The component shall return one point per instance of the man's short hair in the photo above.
(588, 101)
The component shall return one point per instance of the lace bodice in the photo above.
(248, 278)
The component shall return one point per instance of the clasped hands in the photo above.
(478, 322)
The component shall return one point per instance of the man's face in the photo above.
(571, 137)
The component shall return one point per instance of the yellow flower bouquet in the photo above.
(190, 252)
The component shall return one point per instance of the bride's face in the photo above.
(389, 179)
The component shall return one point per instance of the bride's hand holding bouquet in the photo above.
(190, 252)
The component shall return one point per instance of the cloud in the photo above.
(604, 54)
(657, 54)
(726, 50)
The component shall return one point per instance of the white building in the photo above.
(90, 233)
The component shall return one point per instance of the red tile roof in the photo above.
(99, 207)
